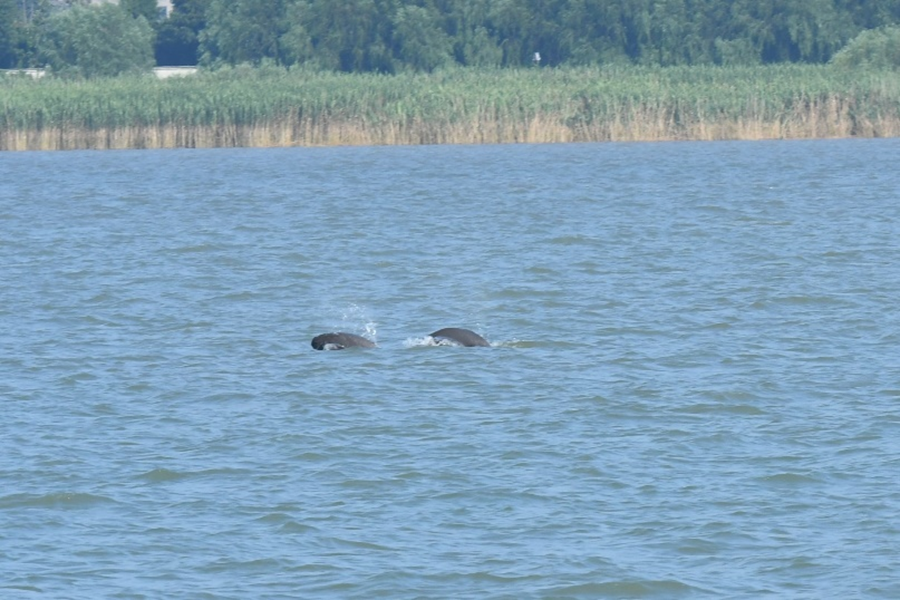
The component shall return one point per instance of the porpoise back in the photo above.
(340, 340)
(463, 337)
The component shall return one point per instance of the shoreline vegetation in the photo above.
(275, 107)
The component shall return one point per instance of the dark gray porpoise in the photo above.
(339, 340)
(463, 337)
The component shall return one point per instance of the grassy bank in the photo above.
(273, 107)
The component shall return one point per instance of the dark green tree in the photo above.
(351, 35)
(385, 35)
(870, 14)
(29, 15)
(474, 44)
(296, 43)
(420, 42)
(873, 48)
(141, 8)
(96, 41)
(243, 31)
(508, 20)
(544, 33)
(177, 38)
(9, 33)
(595, 31)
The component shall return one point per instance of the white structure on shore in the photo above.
(163, 6)
(160, 72)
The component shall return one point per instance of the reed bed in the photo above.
(275, 107)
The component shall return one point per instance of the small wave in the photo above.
(161, 475)
(627, 589)
(158, 475)
(228, 566)
(809, 300)
(295, 527)
(22, 588)
(428, 341)
(54, 500)
(790, 479)
(361, 544)
(76, 378)
(196, 248)
(707, 408)
(515, 343)
(573, 240)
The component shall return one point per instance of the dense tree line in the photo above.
(396, 35)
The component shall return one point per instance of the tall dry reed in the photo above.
(275, 107)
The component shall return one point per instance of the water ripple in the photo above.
(691, 389)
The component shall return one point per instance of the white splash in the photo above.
(356, 318)
(417, 342)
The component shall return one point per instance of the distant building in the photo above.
(164, 7)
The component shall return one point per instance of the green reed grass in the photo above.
(276, 107)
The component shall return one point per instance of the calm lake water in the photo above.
(693, 389)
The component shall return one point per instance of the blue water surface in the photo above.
(693, 389)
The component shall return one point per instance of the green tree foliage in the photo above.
(351, 35)
(421, 43)
(177, 38)
(296, 43)
(31, 17)
(873, 48)
(141, 8)
(386, 35)
(423, 35)
(9, 33)
(606, 37)
(869, 14)
(239, 31)
(96, 41)
(466, 23)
